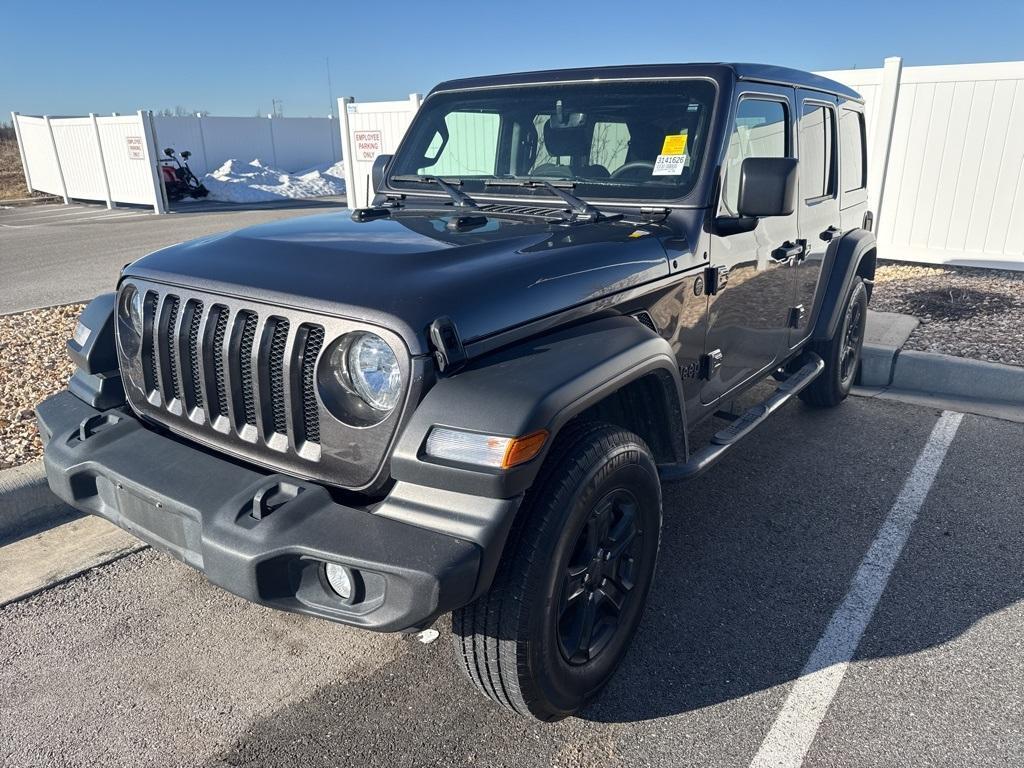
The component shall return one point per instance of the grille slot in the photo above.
(310, 413)
(220, 382)
(165, 348)
(195, 322)
(249, 320)
(278, 340)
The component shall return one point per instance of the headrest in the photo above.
(571, 141)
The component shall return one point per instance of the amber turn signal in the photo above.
(522, 449)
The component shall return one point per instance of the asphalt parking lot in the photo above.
(141, 662)
(35, 270)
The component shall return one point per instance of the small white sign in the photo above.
(135, 148)
(670, 165)
(367, 145)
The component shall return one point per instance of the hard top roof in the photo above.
(718, 71)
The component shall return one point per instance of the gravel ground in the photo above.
(964, 311)
(34, 363)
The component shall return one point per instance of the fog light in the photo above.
(340, 580)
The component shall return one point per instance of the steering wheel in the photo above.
(634, 166)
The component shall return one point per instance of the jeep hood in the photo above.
(405, 271)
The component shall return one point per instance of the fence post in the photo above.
(21, 151)
(273, 144)
(149, 150)
(346, 149)
(885, 118)
(202, 143)
(56, 159)
(103, 161)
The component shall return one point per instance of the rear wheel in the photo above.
(573, 580)
(841, 353)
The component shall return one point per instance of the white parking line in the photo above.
(797, 723)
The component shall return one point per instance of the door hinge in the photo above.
(715, 279)
(797, 315)
(710, 363)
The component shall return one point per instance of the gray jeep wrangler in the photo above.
(465, 398)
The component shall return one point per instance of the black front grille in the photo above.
(231, 370)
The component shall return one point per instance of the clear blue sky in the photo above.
(232, 58)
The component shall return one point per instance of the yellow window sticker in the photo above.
(675, 144)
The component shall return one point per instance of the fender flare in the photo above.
(845, 257)
(541, 383)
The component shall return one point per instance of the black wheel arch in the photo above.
(613, 368)
(853, 255)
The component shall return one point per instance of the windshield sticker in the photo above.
(670, 165)
(675, 144)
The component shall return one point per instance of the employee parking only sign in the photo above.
(368, 144)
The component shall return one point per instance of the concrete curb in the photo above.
(26, 503)
(929, 373)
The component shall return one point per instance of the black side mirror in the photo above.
(168, 151)
(767, 187)
(186, 154)
(380, 166)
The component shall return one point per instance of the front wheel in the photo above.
(841, 353)
(573, 579)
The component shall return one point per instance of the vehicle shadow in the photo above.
(755, 557)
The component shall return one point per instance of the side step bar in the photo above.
(744, 425)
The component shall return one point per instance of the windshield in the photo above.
(638, 140)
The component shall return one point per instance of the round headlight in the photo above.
(131, 308)
(372, 370)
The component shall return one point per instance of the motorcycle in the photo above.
(179, 180)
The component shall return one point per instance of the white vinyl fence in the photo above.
(115, 159)
(369, 129)
(91, 158)
(946, 161)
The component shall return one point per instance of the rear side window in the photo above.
(818, 151)
(761, 130)
(851, 138)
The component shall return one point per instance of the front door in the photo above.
(818, 207)
(748, 318)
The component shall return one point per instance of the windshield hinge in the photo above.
(655, 214)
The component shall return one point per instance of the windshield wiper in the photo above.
(579, 207)
(460, 198)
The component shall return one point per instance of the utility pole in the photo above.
(277, 107)
(330, 88)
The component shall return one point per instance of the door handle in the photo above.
(788, 252)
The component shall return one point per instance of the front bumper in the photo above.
(264, 537)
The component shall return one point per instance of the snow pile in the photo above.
(253, 182)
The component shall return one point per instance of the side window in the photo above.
(761, 129)
(609, 145)
(852, 140)
(818, 151)
(470, 147)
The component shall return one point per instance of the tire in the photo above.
(521, 643)
(841, 353)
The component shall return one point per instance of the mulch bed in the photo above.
(964, 311)
(34, 364)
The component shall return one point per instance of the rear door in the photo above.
(748, 316)
(818, 207)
